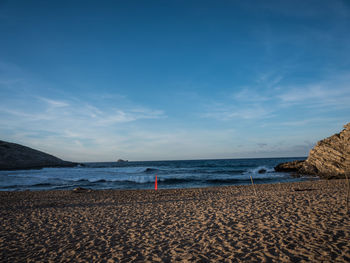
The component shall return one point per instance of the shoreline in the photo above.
(306, 178)
(283, 222)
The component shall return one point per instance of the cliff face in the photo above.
(330, 158)
(14, 157)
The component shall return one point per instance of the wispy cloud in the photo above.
(71, 124)
(249, 95)
(64, 111)
(317, 95)
(54, 103)
(17, 115)
(333, 121)
(261, 102)
(120, 116)
(228, 112)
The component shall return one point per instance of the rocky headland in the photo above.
(329, 159)
(16, 157)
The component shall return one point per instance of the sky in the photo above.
(166, 80)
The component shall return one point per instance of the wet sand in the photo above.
(296, 222)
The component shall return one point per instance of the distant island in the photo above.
(17, 157)
(122, 161)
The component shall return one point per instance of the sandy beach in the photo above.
(293, 222)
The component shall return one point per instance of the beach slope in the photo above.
(294, 222)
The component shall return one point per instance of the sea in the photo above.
(141, 175)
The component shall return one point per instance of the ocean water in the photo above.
(141, 175)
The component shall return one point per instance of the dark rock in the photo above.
(262, 171)
(293, 166)
(16, 157)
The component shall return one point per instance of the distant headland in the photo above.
(16, 157)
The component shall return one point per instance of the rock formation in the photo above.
(293, 166)
(330, 158)
(15, 157)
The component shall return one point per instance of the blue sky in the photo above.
(162, 80)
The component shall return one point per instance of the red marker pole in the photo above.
(156, 184)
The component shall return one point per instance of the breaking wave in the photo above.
(141, 175)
